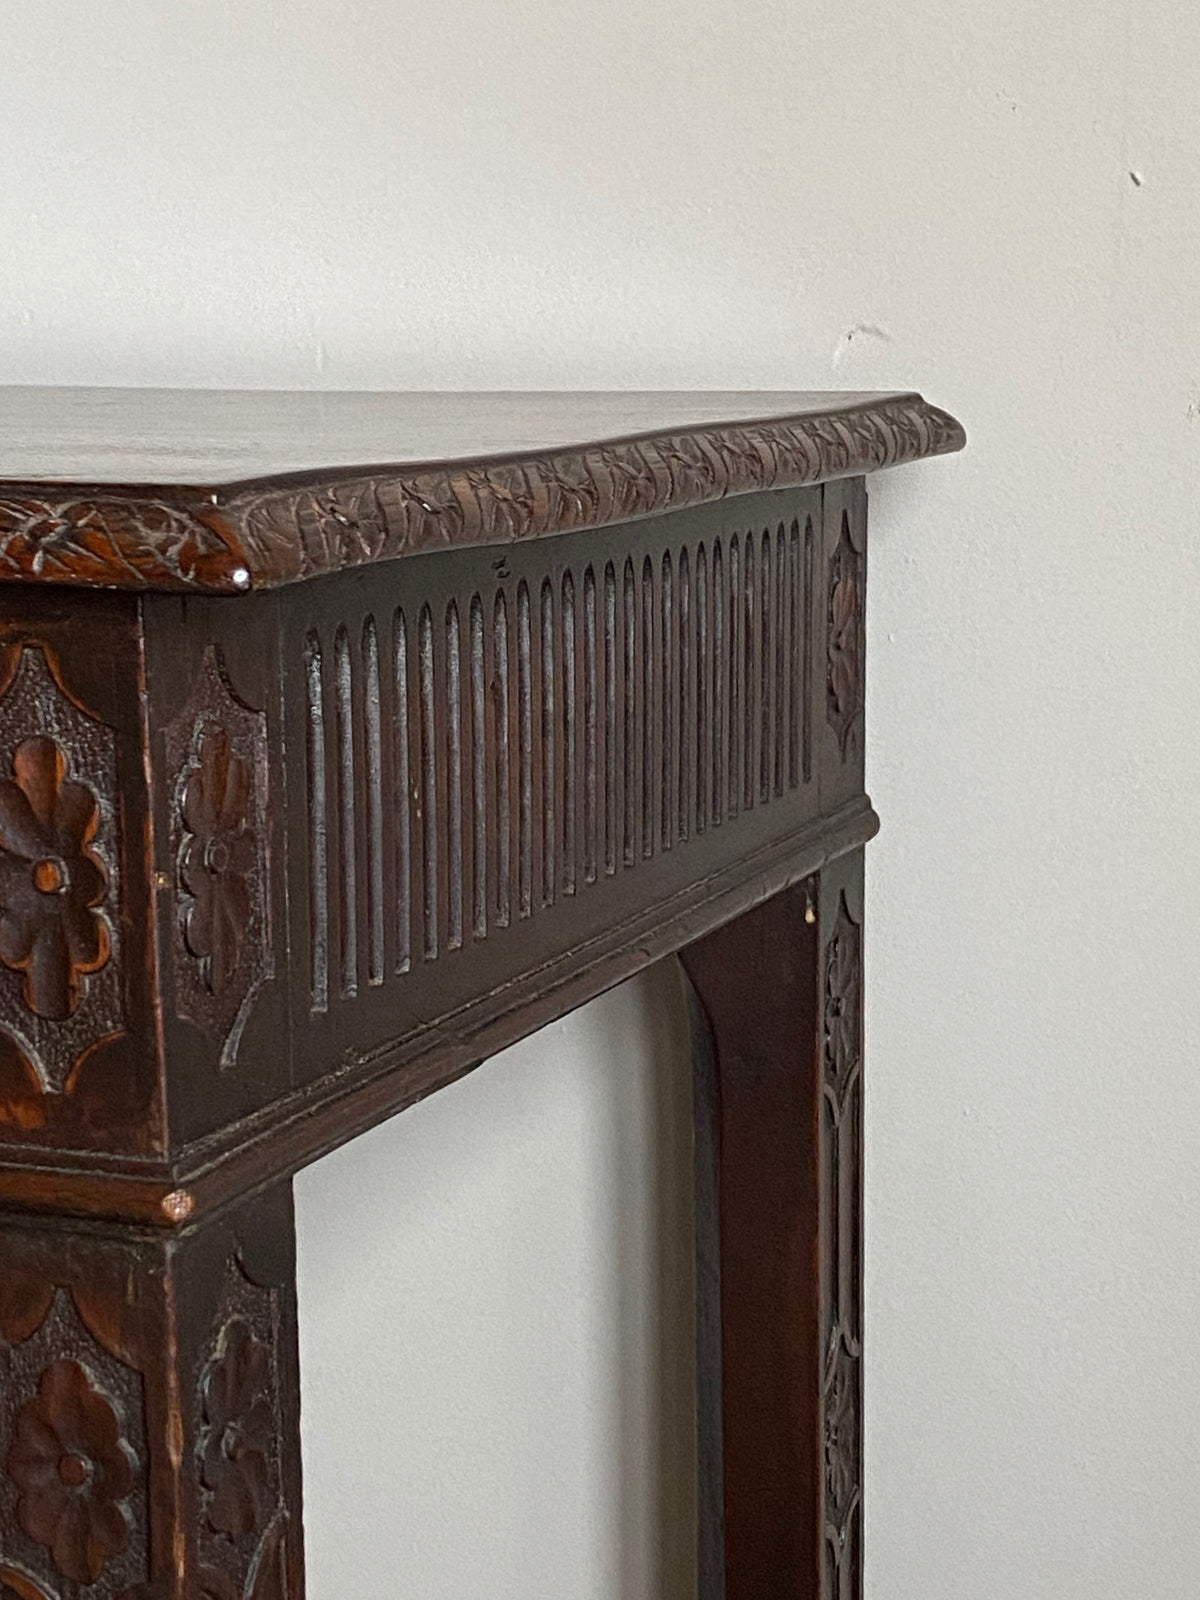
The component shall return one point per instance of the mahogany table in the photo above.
(345, 739)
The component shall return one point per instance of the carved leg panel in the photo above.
(777, 1034)
(841, 910)
(149, 1410)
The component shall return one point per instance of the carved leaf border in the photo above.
(243, 538)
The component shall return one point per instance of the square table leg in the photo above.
(777, 1028)
(149, 1409)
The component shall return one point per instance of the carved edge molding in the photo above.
(60, 988)
(115, 540)
(231, 540)
(216, 750)
(841, 1398)
(297, 532)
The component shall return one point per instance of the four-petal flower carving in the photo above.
(217, 857)
(72, 1471)
(51, 881)
(239, 1425)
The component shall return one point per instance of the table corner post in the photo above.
(840, 921)
(756, 1024)
(776, 1008)
(149, 1425)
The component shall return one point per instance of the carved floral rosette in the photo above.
(844, 660)
(73, 1505)
(60, 934)
(243, 1518)
(216, 750)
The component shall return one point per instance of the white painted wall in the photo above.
(496, 1327)
(622, 193)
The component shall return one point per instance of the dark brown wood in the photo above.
(777, 1026)
(754, 979)
(147, 489)
(149, 1430)
(274, 867)
(841, 1227)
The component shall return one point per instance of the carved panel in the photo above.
(73, 1503)
(234, 539)
(841, 1161)
(216, 747)
(114, 540)
(542, 737)
(60, 989)
(243, 1524)
(845, 639)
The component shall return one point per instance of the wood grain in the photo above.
(757, 1032)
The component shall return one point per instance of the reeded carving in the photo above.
(59, 930)
(217, 748)
(844, 661)
(72, 1469)
(538, 739)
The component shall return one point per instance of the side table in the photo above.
(344, 740)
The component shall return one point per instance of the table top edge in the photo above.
(259, 531)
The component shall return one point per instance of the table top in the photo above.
(224, 436)
(231, 490)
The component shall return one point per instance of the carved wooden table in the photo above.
(576, 685)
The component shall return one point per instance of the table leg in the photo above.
(149, 1410)
(777, 1029)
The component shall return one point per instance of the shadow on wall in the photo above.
(653, 1284)
(496, 1325)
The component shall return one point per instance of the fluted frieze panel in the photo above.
(474, 759)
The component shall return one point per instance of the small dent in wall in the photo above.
(861, 331)
(1137, 179)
